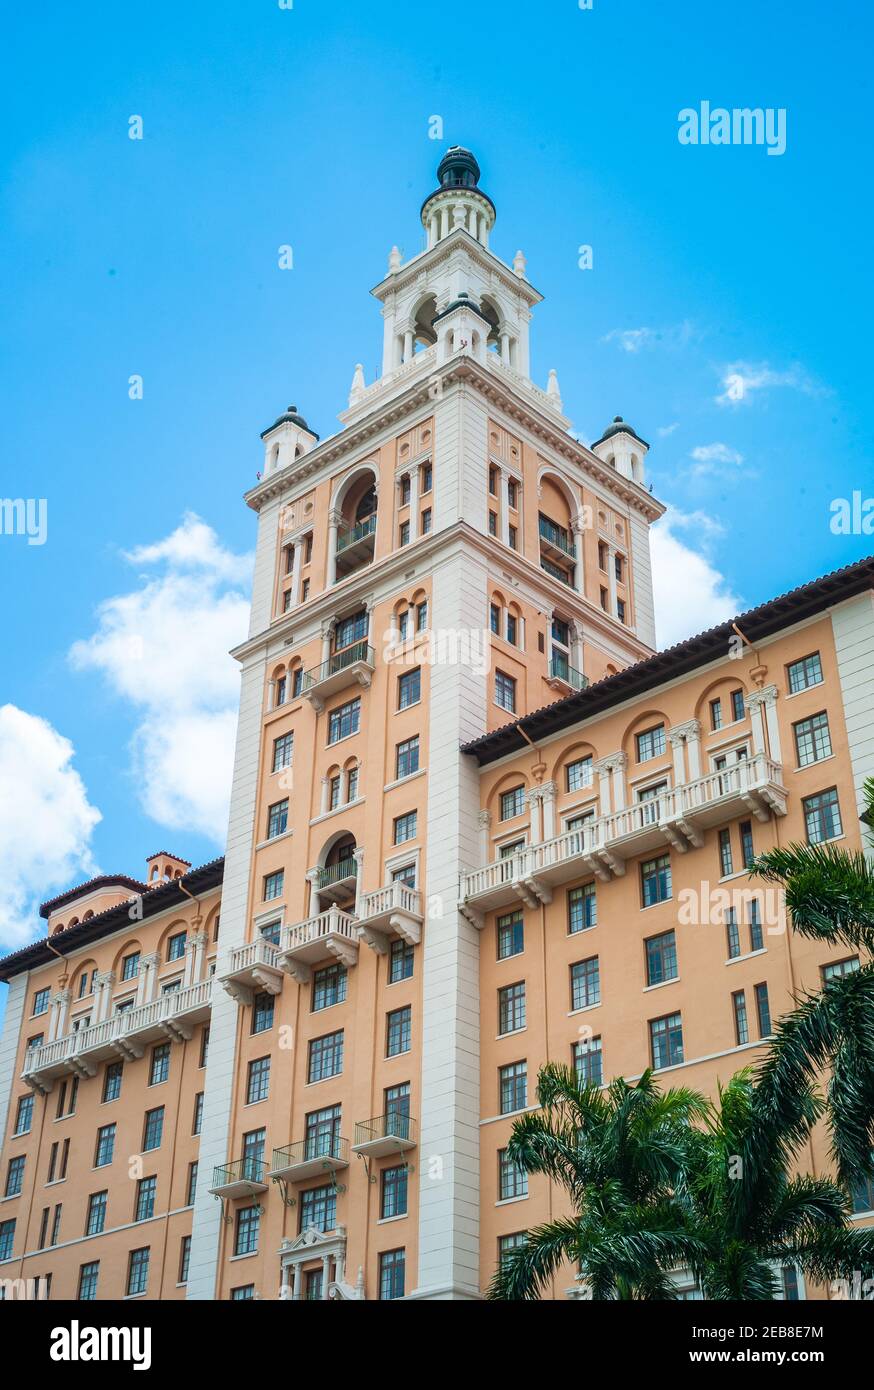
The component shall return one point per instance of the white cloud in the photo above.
(709, 458)
(665, 430)
(636, 339)
(46, 822)
(690, 593)
(742, 381)
(163, 647)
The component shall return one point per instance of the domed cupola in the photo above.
(623, 449)
(459, 201)
(287, 439)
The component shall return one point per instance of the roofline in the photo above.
(155, 900)
(90, 886)
(756, 625)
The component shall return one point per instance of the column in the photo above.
(408, 344)
(678, 746)
(271, 694)
(104, 1005)
(505, 348)
(326, 633)
(763, 715)
(297, 555)
(611, 576)
(769, 695)
(577, 651)
(147, 978)
(693, 749)
(548, 798)
(536, 832)
(326, 1275)
(602, 768)
(414, 503)
(315, 906)
(194, 949)
(296, 1281)
(579, 567)
(484, 821)
(325, 794)
(444, 222)
(358, 856)
(618, 762)
(334, 519)
(58, 1020)
(504, 492)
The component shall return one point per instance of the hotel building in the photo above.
(476, 822)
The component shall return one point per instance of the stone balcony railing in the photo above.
(676, 817)
(124, 1035)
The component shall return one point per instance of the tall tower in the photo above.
(451, 559)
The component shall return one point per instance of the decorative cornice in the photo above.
(766, 696)
(680, 733)
(459, 239)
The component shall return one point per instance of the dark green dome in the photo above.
(290, 417)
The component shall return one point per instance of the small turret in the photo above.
(623, 449)
(287, 439)
(459, 201)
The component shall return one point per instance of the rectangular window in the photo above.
(835, 970)
(334, 793)
(322, 1131)
(747, 850)
(409, 688)
(732, 933)
(651, 743)
(757, 941)
(398, 1032)
(130, 966)
(329, 987)
(274, 885)
(512, 803)
(495, 619)
(822, 817)
(344, 721)
(862, 1196)
(805, 673)
(243, 1293)
(812, 739)
(262, 1012)
(505, 692)
(392, 1274)
(272, 932)
(666, 1041)
(246, 1236)
(512, 628)
(406, 490)
(716, 714)
(325, 1057)
(427, 477)
(588, 1062)
(277, 819)
(585, 983)
(511, 1008)
(406, 874)
(258, 1082)
(191, 1186)
(513, 1087)
(138, 1271)
(407, 757)
(582, 908)
(493, 523)
(88, 1275)
(253, 1152)
(153, 1129)
(145, 1203)
(400, 962)
(160, 1069)
(579, 774)
(105, 1146)
(741, 1026)
(763, 1011)
(96, 1218)
(512, 1180)
(41, 1002)
(513, 537)
(426, 521)
(15, 1176)
(404, 533)
(393, 1195)
(7, 1238)
(184, 1259)
(318, 1208)
(350, 630)
(405, 828)
(176, 946)
(283, 750)
(197, 1122)
(511, 935)
(661, 958)
(738, 708)
(24, 1115)
(422, 616)
(655, 880)
(726, 866)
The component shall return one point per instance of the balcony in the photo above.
(561, 673)
(354, 665)
(677, 817)
(245, 1177)
(555, 541)
(323, 1153)
(125, 1035)
(337, 882)
(254, 969)
(355, 545)
(394, 910)
(330, 934)
(385, 1134)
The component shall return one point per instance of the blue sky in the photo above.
(310, 127)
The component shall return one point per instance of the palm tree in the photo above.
(750, 1216)
(621, 1156)
(829, 897)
